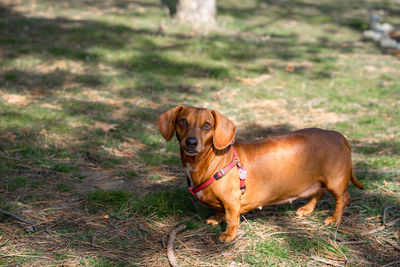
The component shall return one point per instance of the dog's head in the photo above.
(196, 128)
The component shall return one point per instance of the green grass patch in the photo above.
(129, 174)
(63, 168)
(289, 249)
(101, 262)
(271, 251)
(64, 188)
(155, 178)
(122, 203)
(107, 200)
(153, 159)
(68, 65)
(16, 183)
(4, 205)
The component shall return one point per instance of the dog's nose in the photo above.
(192, 142)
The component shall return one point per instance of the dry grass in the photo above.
(69, 235)
(81, 84)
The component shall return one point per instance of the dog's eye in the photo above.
(206, 126)
(183, 123)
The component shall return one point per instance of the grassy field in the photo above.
(82, 84)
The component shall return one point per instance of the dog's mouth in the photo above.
(190, 151)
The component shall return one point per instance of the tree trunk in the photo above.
(200, 13)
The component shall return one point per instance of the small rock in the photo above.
(30, 229)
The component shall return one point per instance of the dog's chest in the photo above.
(188, 171)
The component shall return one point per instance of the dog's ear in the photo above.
(224, 131)
(166, 122)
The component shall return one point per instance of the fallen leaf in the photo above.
(116, 152)
(105, 127)
(289, 67)
(370, 68)
(78, 124)
(245, 80)
(254, 81)
(9, 136)
(13, 99)
(292, 66)
(262, 78)
(51, 106)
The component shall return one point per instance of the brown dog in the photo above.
(280, 169)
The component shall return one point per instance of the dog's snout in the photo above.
(192, 142)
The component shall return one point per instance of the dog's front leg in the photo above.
(232, 218)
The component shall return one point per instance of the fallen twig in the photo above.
(170, 247)
(17, 217)
(106, 249)
(351, 242)
(5, 243)
(391, 264)
(329, 262)
(385, 213)
(24, 255)
(392, 222)
(373, 231)
(384, 223)
(392, 242)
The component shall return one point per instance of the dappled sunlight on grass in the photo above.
(82, 84)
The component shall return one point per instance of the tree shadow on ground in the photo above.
(28, 154)
(77, 42)
(171, 5)
(81, 43)
(137, 228)
(354, 14)
(390, 147)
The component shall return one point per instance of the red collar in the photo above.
(218, 175)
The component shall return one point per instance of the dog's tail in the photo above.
(352, 176)
(354, 180)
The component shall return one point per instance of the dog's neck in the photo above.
(202, 166)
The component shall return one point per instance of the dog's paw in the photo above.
(331, 221)
(303, 211)
(214, 220)
(226, 237)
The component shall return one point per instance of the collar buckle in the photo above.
(219, 174)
